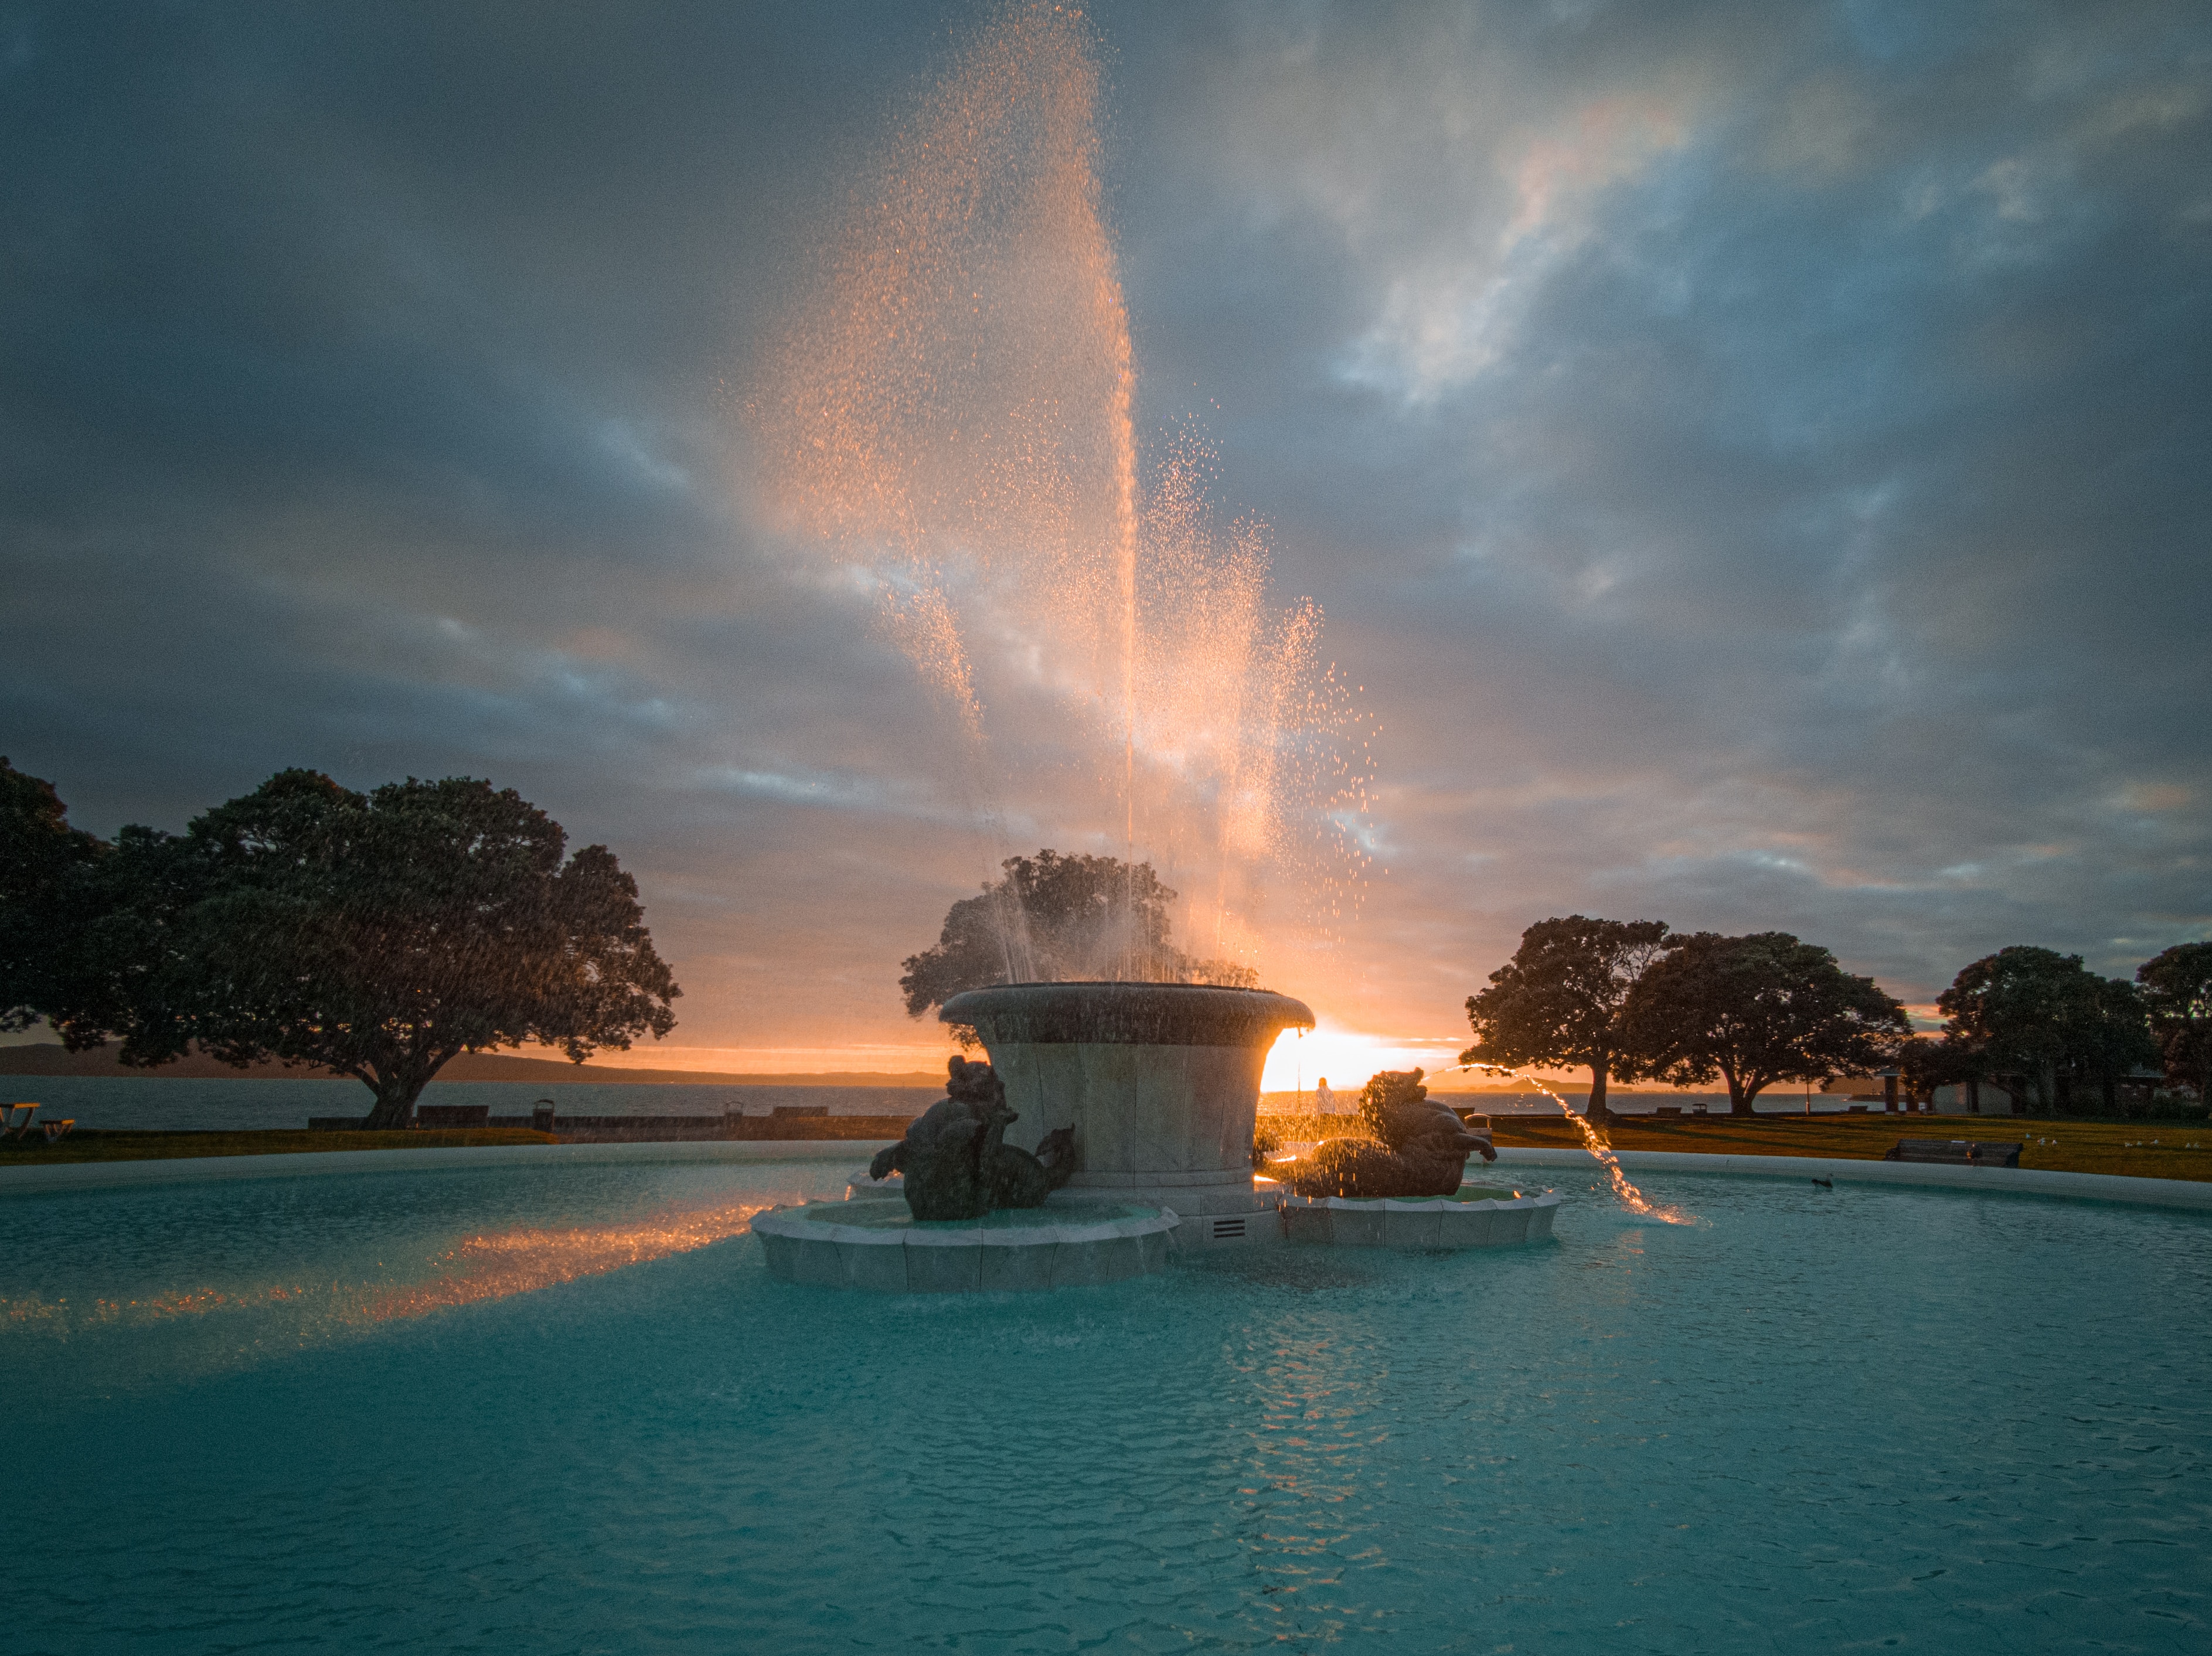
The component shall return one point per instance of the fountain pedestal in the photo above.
(1160, 1082)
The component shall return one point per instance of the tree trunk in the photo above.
(1739, 1099)
(395, 1101)
(1597, 1110)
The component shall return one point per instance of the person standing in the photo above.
(1324, 1100)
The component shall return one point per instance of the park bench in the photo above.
(1959, 1152)
(452, 1115)
(1475, 1122)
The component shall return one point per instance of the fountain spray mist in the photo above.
(950, 413)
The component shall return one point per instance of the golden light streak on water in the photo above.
(949, 411)
(499, 1265)
(63, 1316)
(490, 1265)
(1595, 1143)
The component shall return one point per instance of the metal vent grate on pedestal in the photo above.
(1226, 1231)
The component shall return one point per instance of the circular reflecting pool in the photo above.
(568, 1410)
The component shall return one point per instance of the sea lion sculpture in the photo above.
(952, 1162)
(1423, 1152)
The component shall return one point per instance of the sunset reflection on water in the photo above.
(497, 1264)
(486, 1266)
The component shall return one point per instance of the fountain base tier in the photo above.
(1213, 1216)
(1226, 1214)
(873, 1243)
(1478, 1216)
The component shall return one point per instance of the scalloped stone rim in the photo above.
(1125, 1014)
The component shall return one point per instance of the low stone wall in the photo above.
(2012, 1181)
(664, 1129)
(679, 1129)
(198, 1169)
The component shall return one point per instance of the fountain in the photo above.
(1140, 1100)
(1151, 1088)
(542, 1397)
(949, 415)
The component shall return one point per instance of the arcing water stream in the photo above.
(1593, 1141)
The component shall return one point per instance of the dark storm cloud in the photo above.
(365, 388)
(1749, 452)
(1752, 456)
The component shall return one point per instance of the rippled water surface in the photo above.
(511, 1409)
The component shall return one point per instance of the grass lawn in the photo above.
(2121, 1147)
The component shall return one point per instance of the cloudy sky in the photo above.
(1752, 458)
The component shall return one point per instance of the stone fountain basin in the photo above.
(1477, 1215)
(871, 1243)
(1159, 1081)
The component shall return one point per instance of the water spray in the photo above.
(1593, 1141)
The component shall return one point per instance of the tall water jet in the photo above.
(949, 411)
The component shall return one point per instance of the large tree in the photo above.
(1559, 1001)
(2037, 1015)
(43, 864)
(379, 935)
(2113, 1040)
(1758, 1010)
(1055, 919)
(1927, 1062)
(2177, 991)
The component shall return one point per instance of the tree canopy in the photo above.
(2040, 1016)
(42, 864)
(1757, 1009)
(1055, 919)
(2177, 993)
(1927, 1062)
(378, 935)
(1559, 1001)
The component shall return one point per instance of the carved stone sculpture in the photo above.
(1423, 1149)
(953, 1160)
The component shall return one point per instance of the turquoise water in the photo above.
(511, 1409)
